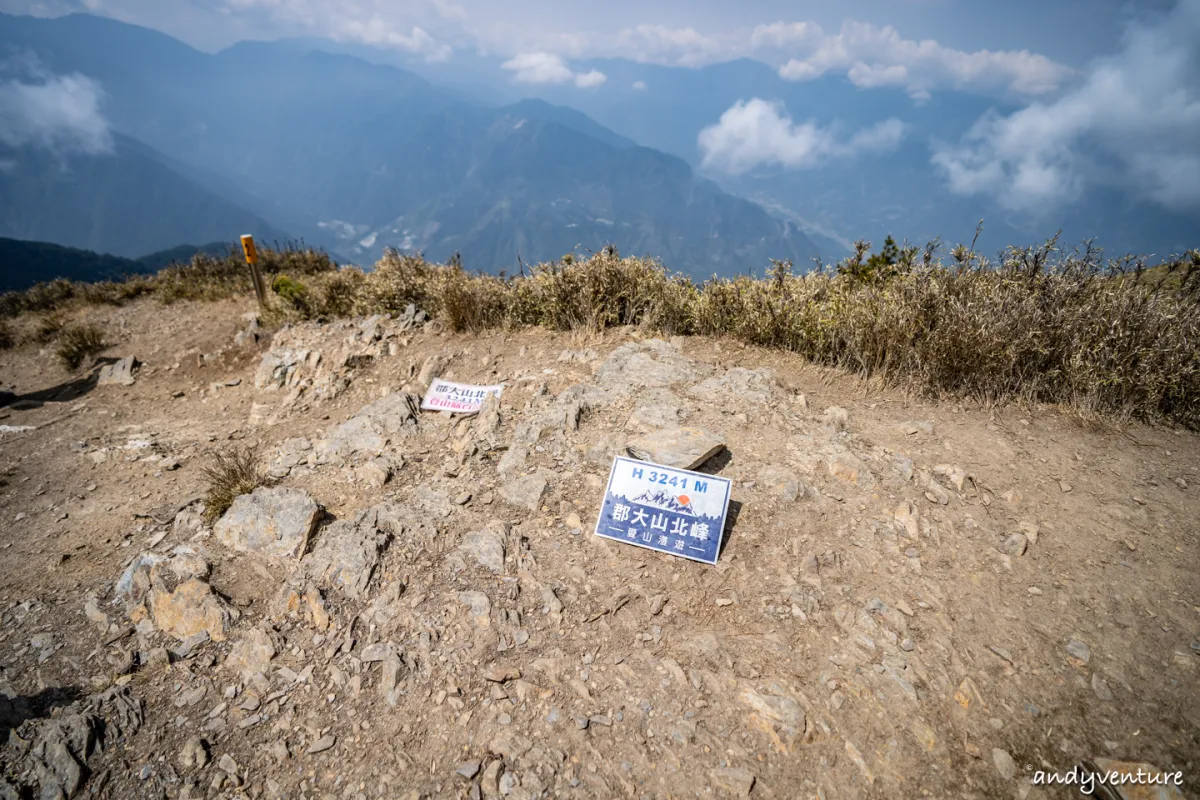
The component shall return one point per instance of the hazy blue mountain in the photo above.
(870, 196)
(531, 187)
(126, 203)
(356, 155)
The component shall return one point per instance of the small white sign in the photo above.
(461, 398)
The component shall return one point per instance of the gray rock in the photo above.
(368, 432)
(685, 448)
(290, 454)
(119, 373)
(1100, 687)
(376, 652)
(282, 367)
(1015, 545)
(733, 779)
(739, 386)
(190, 644)
(479, 606)
(251, 654)
(1079, 651)
(275, 522)
(322, 744)
(347, 553)
(487, 546)
(194, 754)
(657, 408)
(1004, 763)
(650, 364)
(936, 493)
(780, 482)
(468, 769)
(524, 492)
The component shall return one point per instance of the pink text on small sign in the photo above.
(461, 398)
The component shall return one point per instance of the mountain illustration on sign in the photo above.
(681, 504)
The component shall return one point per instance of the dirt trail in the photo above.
(914, 599)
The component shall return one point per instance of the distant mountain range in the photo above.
(24, 263)
(284, 140)
(839, 200)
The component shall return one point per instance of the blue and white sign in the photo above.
(661, 508)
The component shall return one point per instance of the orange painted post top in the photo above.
(260, 288)
(249, 250)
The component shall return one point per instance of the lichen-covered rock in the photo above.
(274, 522)
(188, 609)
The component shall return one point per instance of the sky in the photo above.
(1108, 90)
(1069, 31)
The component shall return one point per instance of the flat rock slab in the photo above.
(487, 546)
(276, 522)
(524, 492)
(685, 448)
(119, 374)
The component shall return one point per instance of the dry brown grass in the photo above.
(234, 472)
(1110, 338)
(78, 343)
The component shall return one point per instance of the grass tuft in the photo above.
(234, 472)
(78, 343)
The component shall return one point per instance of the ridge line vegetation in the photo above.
(1038, 324)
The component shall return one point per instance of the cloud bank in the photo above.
(757, 133)
(58, 113)
(1136, 115)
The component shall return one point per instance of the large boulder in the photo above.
(274, 522)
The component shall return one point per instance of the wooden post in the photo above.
(256, 277)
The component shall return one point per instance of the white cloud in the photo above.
(639, 85)
(376, 31)
(1131, 123)
(660, 44)
(587, 80)
(543, 68)
(60, 113)
(872, 56)
(756, 132)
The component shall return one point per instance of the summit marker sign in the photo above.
(661, 508)
(461, 398)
